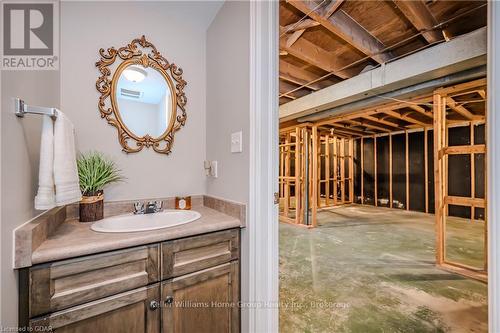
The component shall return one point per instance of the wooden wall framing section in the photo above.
(330, 177)
(443, 99)
(331, 150)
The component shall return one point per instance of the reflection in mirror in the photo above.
(144, 101)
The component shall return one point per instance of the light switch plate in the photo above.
(236, 142)
(213, 169)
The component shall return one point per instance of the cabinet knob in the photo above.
(153, 305)
(169, 300)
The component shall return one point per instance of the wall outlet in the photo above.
(213, 169)
(236, 142)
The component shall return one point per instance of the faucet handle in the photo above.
(158, 205)
(138, 207)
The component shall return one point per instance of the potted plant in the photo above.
(95, 172)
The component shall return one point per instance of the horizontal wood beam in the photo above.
(316, 56)
(421, 111)
(296, 75)
(301, 25)
(405, 118)
(368, 125)
(346, 28)
(382, 121)
(467, 149)
(463, 201)
(421, 18)
(332, 7)
(349, 130)
(460, 109)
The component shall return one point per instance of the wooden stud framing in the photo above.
(390, 171)
(351, 170)
(298, 180)
(327, 170)
(335, 170)
(407, 168)
(426, 170)
(362, 173)
(375, 168)
(314, 168)
(338, 154)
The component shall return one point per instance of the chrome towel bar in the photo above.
(22, 108)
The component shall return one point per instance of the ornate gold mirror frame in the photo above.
(136, 53)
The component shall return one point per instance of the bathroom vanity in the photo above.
(180, 279)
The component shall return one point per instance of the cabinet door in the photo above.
(64, 284)
(192, 254)
(133, 311)
(204, 301)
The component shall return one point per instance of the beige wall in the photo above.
(228, 84)
(178, 30)
(19, 170)
(228, 98)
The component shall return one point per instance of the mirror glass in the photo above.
(144, 101)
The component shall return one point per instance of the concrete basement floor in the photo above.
(368, 269)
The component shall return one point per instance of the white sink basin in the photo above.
(144, 222)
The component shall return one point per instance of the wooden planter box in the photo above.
(92, 208)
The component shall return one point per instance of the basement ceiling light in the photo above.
(135, 74)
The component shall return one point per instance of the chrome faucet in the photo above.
(150, 208)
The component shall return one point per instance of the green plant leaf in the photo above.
(95, 171)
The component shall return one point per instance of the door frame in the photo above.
(493, 165)
(260, 269)
(262, 229)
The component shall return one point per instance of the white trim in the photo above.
(261, 233)
(493, 166)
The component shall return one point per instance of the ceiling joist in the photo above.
(460, 109)
(315, 55)
(421, 18)
(345, 27)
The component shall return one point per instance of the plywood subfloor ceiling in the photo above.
(323, 42)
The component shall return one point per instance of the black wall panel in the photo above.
(398, 171)
(459, 182)
(357, 170)
(459, 136)
(383, 169)
(417, 171)
(368, 171)
(479, 178)
(479, 135)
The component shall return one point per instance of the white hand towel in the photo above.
(46, 198)
(65, 169)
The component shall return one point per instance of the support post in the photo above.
(286, 179)
(335, 170)
(438, 171)
(298, 183)
(351, 170)
(375, 168)
(327, 170)
(426, 170)
(390, 170)
(362, 173)
(314, 174)
(407, 166)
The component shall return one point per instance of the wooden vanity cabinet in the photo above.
(185, 285)
(204, 301)
(132, 311)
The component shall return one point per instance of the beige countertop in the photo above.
(57, 234)
(73, 239)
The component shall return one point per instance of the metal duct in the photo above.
(402, 93)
